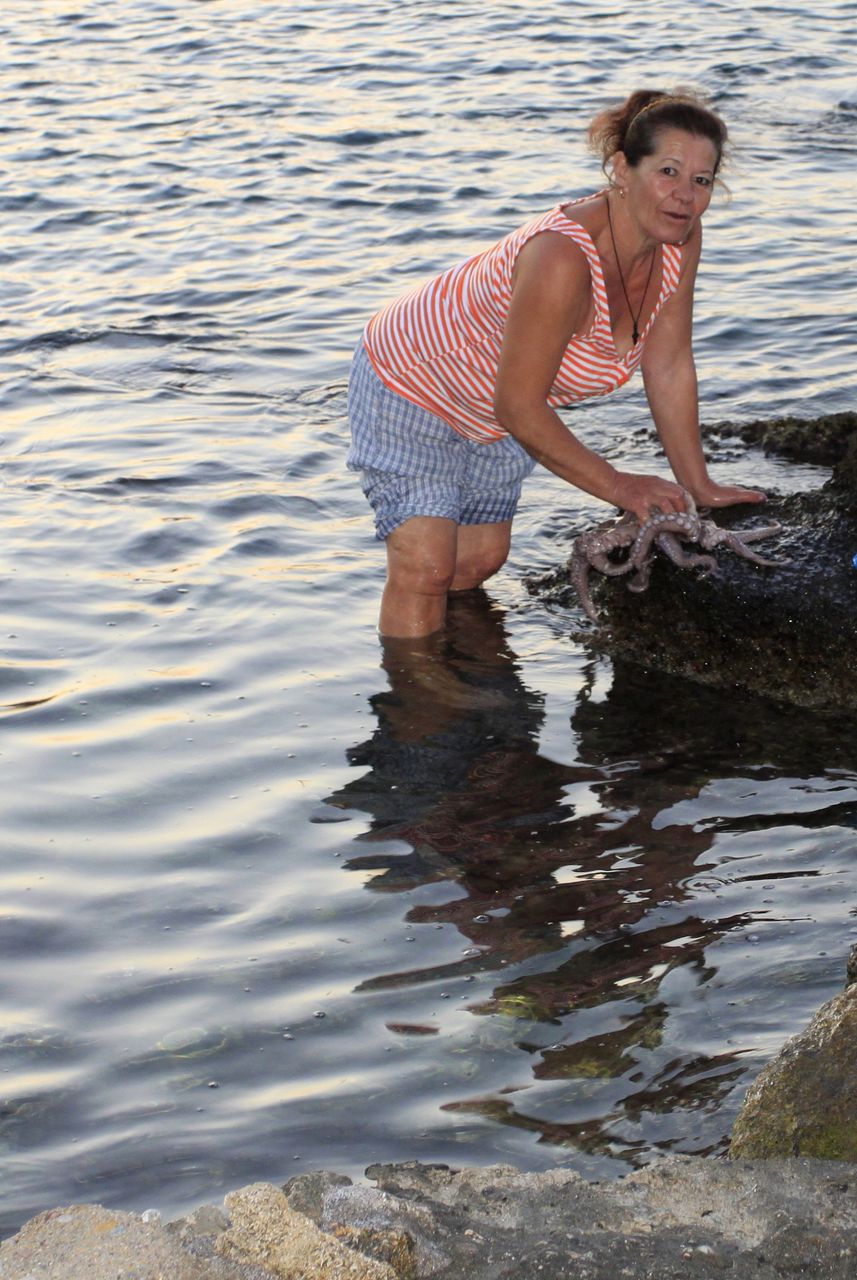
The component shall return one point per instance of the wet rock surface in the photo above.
(804, 1102)
(788, 632)
(824, 441)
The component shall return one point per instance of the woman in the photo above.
(455, 386)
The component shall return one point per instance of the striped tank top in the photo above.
(439, 344)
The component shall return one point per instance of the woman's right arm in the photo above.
(551, 294)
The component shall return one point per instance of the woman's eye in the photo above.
(703, 181)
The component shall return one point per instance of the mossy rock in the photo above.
(804, 1103)
(788, 633)
(823, 440)
(845, 473)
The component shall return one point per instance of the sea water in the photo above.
(271, 898)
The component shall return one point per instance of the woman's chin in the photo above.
(676, 231)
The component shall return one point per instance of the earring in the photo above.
(621, 193)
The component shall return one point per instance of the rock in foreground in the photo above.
(681, 1219)
(804, 1102)
(87, 1242)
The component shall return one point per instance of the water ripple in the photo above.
(610, 901)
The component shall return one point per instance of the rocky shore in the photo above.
(681, 1219)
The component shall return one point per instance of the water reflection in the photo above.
(577, 883)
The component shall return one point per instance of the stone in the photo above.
(851, 966)
(264, 1228)
(804, 1102)
(400, 1231)
(88, 1242)
(396, 1248)
(308, 1192)
(498, 1193)
(683, 1218)
(823, 441)
(207, 1219)
(788, 633)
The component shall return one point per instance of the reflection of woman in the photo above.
(566, 307)
(455, 774)
(575, 906)
(456, 705)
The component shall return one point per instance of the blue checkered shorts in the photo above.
(414, 464)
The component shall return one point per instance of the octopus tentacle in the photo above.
(610, 568)
(593, 550)
(579, 573)
(736, 542)
(673, 550)
(666, 532)
(756, 535)
(640, 580)
(684, 523)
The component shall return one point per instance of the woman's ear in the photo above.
(619, 169)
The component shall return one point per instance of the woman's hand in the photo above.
(647, 496)
(709, 494)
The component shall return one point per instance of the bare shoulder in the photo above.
(552, 261)
(551, 290)
(590, 213)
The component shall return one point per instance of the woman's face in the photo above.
(667, 192)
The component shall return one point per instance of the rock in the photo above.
(405, 1234)
(265, 1229)
(844, 479)
(87, 1242)
(788, 633)
(736, 1202)
(499, 1195)
(198, 1233)
(851, 966)
(308, 1192)
(804, 1102)
(823, 441)
(207, 1220)
(683, 1218)
(396, 1248)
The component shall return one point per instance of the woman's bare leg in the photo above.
(481, 550)
(428, 556)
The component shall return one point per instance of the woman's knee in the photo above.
(481, 552)
(421, 556)
(424, 578)
(475, 570)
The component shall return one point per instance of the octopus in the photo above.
(601, 548)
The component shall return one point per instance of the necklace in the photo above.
(635, 332)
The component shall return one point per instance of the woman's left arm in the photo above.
(669, 377)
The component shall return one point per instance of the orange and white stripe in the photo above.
(439, 344)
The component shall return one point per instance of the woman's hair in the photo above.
(632, 126)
